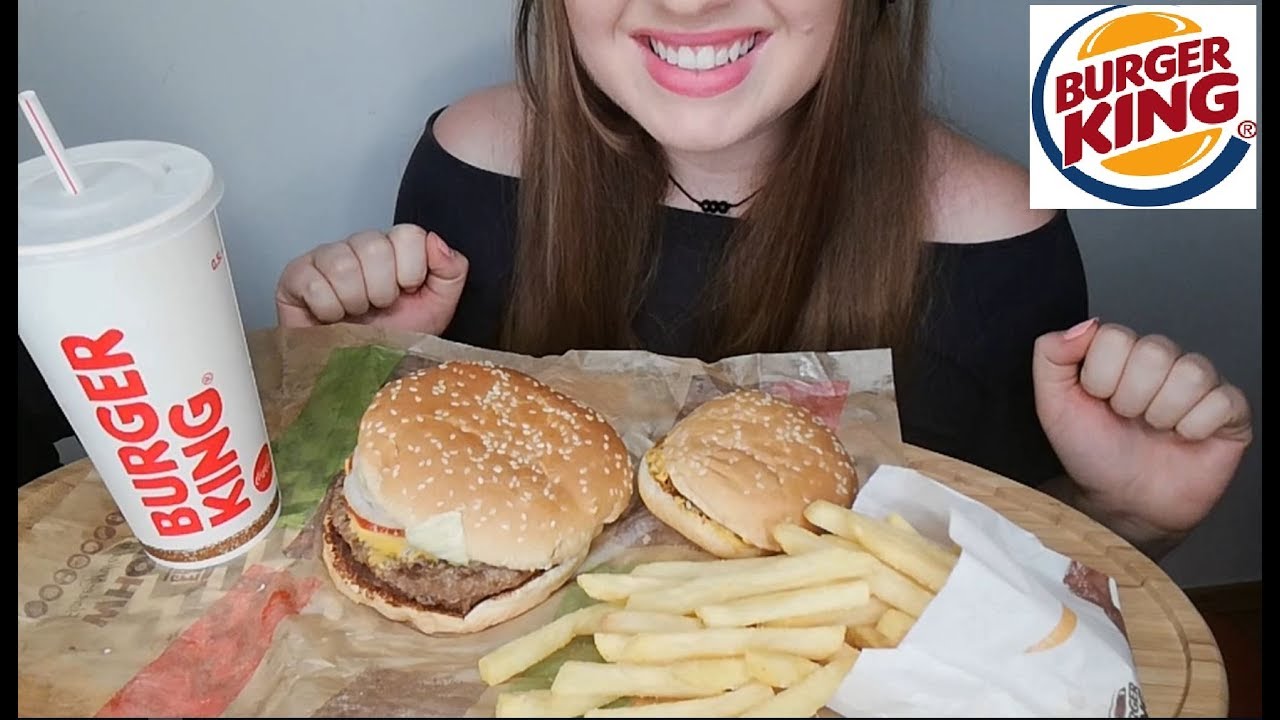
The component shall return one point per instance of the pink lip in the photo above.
(699, 83)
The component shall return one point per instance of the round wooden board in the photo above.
(1179, 664)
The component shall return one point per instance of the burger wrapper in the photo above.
(103, 632)
(1018, 630)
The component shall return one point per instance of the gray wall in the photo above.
(309, 109)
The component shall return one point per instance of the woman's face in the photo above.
(702, 75)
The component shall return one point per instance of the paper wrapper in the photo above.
(103, 632)
(1017, 630)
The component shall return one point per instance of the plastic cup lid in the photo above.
(130, 188)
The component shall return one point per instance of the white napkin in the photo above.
(968, 654)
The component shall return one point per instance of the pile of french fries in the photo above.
(760, 637)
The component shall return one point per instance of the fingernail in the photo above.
(1080, 329)
(443, 245)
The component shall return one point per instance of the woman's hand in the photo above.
(1150, 436)
(406, 279)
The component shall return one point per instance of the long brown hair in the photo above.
(834, 239)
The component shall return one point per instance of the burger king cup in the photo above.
(126, 304)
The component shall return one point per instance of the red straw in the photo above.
(49, 140)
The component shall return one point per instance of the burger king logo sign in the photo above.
(1144, 106)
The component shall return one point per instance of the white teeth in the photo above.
(706, 57)
(688, 60)
(702, 57)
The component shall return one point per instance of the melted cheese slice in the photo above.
(384, 549)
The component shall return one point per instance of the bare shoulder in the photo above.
(483, 129)
(975, 195)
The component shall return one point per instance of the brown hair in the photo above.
(837, 237)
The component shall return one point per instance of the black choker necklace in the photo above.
(714, 207)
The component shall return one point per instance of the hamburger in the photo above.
(739, 465)
(473, 493)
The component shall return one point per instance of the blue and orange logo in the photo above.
(1145, 107)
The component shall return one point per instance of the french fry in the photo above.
(901, 523)
(806, 697)
(546, 704)
(795, 540)
(611, 646)
(914, 556)
(886, 583)
(655, 648)
(726, 705)
(788, 603)
(520, 654)
(784, 573)
(866, 614)
(686, 569)
(630, 622)
(690, 679)
(898, 590)
(896, 520)
(894, 625)
(614, 587)
(778, 670)
(867, 637)
(867, 524)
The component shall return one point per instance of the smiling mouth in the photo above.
(703, 57)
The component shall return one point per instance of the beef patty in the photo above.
(431, 585)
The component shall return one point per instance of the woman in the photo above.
(716, 177)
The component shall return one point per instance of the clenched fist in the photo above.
(1150, 435)
(405, 279)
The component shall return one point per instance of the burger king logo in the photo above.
(1143, 106)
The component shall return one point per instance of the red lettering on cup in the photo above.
(141, 415)
(88, 354)
(111, 380)
(182, 521)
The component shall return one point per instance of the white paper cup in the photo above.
(126, 304)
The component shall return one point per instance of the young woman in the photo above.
(715, 177)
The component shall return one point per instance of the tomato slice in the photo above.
(373, 527)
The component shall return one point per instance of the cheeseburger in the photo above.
(473, 494)
(740, 464)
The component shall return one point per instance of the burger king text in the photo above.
(110, 379)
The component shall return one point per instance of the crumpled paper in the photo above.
(103, 632)
(1018, 630)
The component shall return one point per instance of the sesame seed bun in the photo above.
(534, 474)
(741, 464)
(483, 468)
